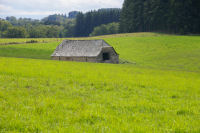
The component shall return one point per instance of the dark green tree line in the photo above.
(172, 16)
(85, 23)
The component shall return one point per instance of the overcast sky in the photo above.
(41, 8)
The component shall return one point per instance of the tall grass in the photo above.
(42, 95)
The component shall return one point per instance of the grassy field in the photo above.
(143, 49)
(159, 92)
(6, 41)
(169, 52)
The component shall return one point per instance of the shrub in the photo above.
(111, 28)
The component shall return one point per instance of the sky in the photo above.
(38, 9)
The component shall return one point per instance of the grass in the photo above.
(45, 40)
(153, 50)
(4, 41)
(41, 95)
(169, 52)
(35, 50)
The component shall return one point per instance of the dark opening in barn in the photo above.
(106, 56)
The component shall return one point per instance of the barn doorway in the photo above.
(106, 56)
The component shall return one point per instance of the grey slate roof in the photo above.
(79, 48)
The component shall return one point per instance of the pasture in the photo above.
(156, 90)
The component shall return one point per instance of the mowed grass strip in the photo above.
(7, 41)
(54, 96)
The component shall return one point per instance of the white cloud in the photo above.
(22, 8)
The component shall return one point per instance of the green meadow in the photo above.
(4, 41)
(156, 88)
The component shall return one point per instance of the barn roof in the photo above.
(86, 48)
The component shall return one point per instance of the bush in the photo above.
(32, 41)
(111, 28)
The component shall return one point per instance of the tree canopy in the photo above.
(85, 23)
(106, 29)
(172, 16)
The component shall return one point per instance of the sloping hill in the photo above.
(142, 49)
(42, 95)
(169, 52)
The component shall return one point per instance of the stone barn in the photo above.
(86, 51)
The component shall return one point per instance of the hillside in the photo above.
(169, 52)
(156, 91)
(141, 49)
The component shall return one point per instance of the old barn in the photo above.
(86, 51)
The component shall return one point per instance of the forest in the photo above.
(85, 23)
(166, 16)
(59, 25)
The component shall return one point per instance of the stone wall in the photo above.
(78, 59)
(92, 59)
(55, 58)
